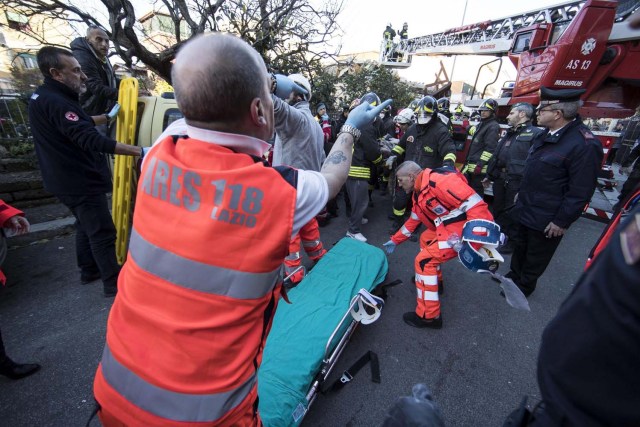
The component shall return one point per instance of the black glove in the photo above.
(447, 167)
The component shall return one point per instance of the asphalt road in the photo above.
(479, 366)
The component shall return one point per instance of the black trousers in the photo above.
(531, 256)
(503, 194)
(475, 182)
(95, 237)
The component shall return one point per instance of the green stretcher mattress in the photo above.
(295, 346)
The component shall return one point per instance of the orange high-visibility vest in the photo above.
(444, 202)
(198, 291)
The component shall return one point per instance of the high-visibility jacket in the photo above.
(428, 145)
(366, 152)
(442, 201)
(199, 289)
(483, 144)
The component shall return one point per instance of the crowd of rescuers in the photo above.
(222, 137)
(558, 163)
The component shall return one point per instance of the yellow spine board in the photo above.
(123, 171)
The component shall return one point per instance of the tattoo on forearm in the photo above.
(345, 140)
(336, 157)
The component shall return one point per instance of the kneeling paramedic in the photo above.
(443, 202)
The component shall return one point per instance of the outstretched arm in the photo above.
(336, 167)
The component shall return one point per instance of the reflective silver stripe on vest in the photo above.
(168, 404)
(292, 256)
(464, 207)
(310, 243)
(199, 276)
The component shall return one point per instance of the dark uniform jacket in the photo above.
(588, 369)
(389, 33)
(559, 177)
(427, 145)
(388, 127)
(507, 163)
(483, 143)
(366, 152)
(69, 148)
(102, 85)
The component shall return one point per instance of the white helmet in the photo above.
(301, 80)
(405, 116)
(486, 258)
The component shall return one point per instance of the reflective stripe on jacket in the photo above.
(427, 145)
(483, 144)
(366, 152)
(198, 292)
(443, 202)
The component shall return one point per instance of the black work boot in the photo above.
(86, 278)
(110, 291)
(16, 371)
(412, 319)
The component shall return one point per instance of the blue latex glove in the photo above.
(113, 114)
(284, 87)
(364, 114)
(389, 246)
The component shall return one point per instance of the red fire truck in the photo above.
(579, 44)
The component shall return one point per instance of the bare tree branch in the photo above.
(291, 35)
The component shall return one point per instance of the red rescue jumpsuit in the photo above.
(309, 236)
(443, 202)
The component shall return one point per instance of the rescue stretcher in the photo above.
(309, 335)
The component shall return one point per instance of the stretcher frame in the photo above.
(331, 357)
(286, 397)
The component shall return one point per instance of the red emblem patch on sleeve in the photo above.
(71, 116)
(586, 133)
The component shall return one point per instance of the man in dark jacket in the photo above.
(102, 86)
(482, 145)
(588, 360)
(74, 168)
(559, 178)
(428, 143)
(366, 153)
(506, 166)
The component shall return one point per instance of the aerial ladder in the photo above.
(575, 45)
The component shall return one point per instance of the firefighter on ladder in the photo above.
(388, 35)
